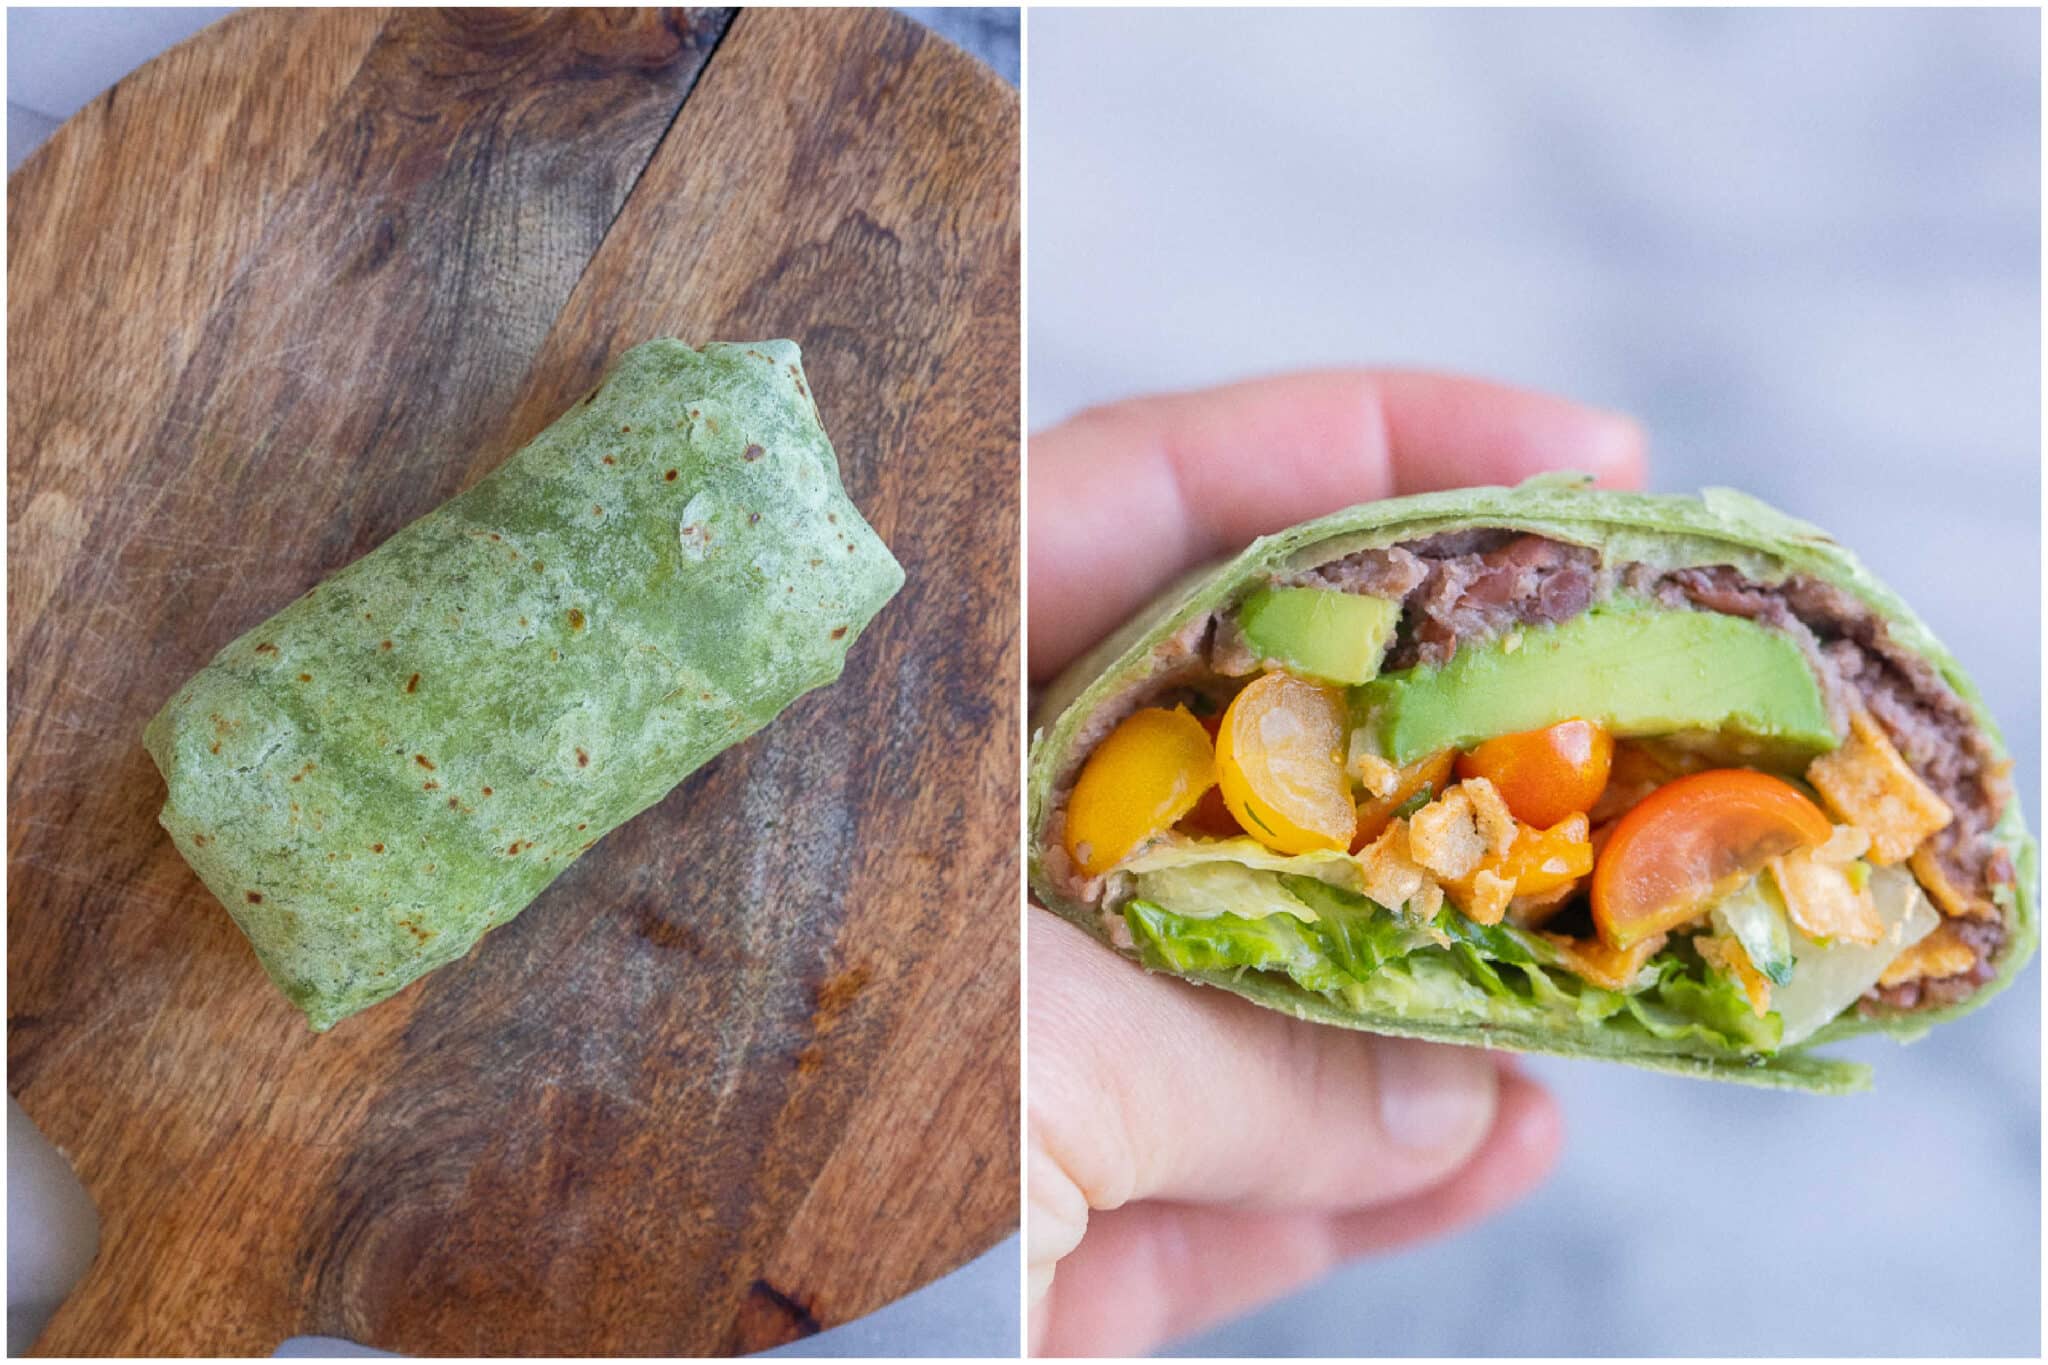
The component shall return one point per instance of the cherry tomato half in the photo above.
(1280, 762)
(1146, 774)
(1691, 842)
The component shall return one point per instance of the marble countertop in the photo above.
(59, 60)
(1804, 247)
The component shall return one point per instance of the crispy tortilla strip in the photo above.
(1613, 968)
(1377, 777)
(1393, 878)
(1941, 953)
(1452, 834)
(1868, 784)
(1926, 868)
(1484, 899)
(1825, 904)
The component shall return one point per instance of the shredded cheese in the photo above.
(1824, 901)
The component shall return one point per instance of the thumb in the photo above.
(1144, 1088)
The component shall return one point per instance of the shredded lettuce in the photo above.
(1232, 906)
(1182, 850)
(1754, 916)
(1203, 890)
(1373, 960)
(1271, 943)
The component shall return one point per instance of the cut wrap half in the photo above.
(1667, 780)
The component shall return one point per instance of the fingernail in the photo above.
(1433, 1096)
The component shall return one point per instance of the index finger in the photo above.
(1125, 497)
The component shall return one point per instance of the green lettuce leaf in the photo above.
(1271, 943)
(1359, 954)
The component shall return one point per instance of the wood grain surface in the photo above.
(748, 1069)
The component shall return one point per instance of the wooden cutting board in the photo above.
(748, 1069)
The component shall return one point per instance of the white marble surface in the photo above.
(1804, 247)
(57, 61)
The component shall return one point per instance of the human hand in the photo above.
(1191, 1155)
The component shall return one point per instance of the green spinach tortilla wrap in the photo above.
(1666, 780)
(406, 756)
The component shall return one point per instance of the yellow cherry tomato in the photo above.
(1148, 773)
(1280, 762)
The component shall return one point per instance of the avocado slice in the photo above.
(1320, 633)
(1632, 667)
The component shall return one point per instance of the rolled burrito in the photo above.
(1670, 781)
(405, 757)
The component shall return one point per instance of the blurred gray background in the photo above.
(1803, 247)
(58, 60)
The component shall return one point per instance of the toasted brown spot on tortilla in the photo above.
(385, 645)
(199, 840)
(305, 677)
(412, 684)
(753, 452)
(216, 746)
(513, 852)
(582, 759)
(454, 803)
(539, 567)
(266, 648)
(376, 848)
(753, 517)
(487, 791)
(575, 619)
(609, 460)
(671, 475)
(839, 632)
(595, 510)
(430, 785)
(255, 897)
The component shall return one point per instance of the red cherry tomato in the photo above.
(1545, 775)
(1691, 842)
